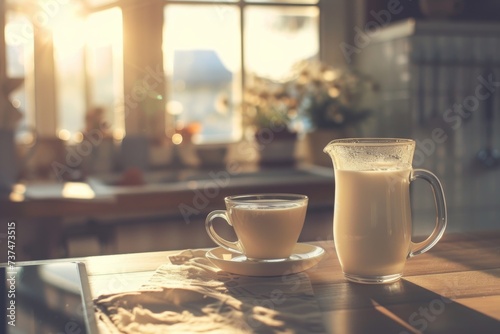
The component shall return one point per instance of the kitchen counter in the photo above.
(162, 192)
(180, 198)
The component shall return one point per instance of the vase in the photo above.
(316, 141)
(212, 155)
(276, 147)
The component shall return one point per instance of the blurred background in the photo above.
(123, 122)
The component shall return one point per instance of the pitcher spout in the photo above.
(333, 147)
(329, 148)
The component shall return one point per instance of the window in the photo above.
(206, 63)
(70, 60)
(70, 54)
(204, 69)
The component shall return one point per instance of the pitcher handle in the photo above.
(441, 214)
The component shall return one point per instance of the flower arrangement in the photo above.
(330, 98)
(268, 105)
(314, 96)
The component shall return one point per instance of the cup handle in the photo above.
(229, 245)
(441, 215)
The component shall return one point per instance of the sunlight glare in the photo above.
(177, 138)
(64, 134)
(68, 29)
(175, 107)
(103, 29)
(78, 137)
(118, 134)
(78, 190)
(17, 194)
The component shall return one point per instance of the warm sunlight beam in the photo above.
(77, 190)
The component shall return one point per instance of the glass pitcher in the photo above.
(372, 214)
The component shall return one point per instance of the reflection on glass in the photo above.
(278, 37)
(203, 68)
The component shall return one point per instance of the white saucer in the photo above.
(304, 257)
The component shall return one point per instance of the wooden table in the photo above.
(454, 288)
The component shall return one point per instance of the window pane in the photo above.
(278, 37)
(69, 41)
(19, 56)
(105, 65)
(203, 67)
(92, 47)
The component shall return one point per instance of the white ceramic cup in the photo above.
(267, 225)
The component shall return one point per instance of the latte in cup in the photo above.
(267, 226)
(268, 231)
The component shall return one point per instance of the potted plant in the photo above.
(269, 114)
